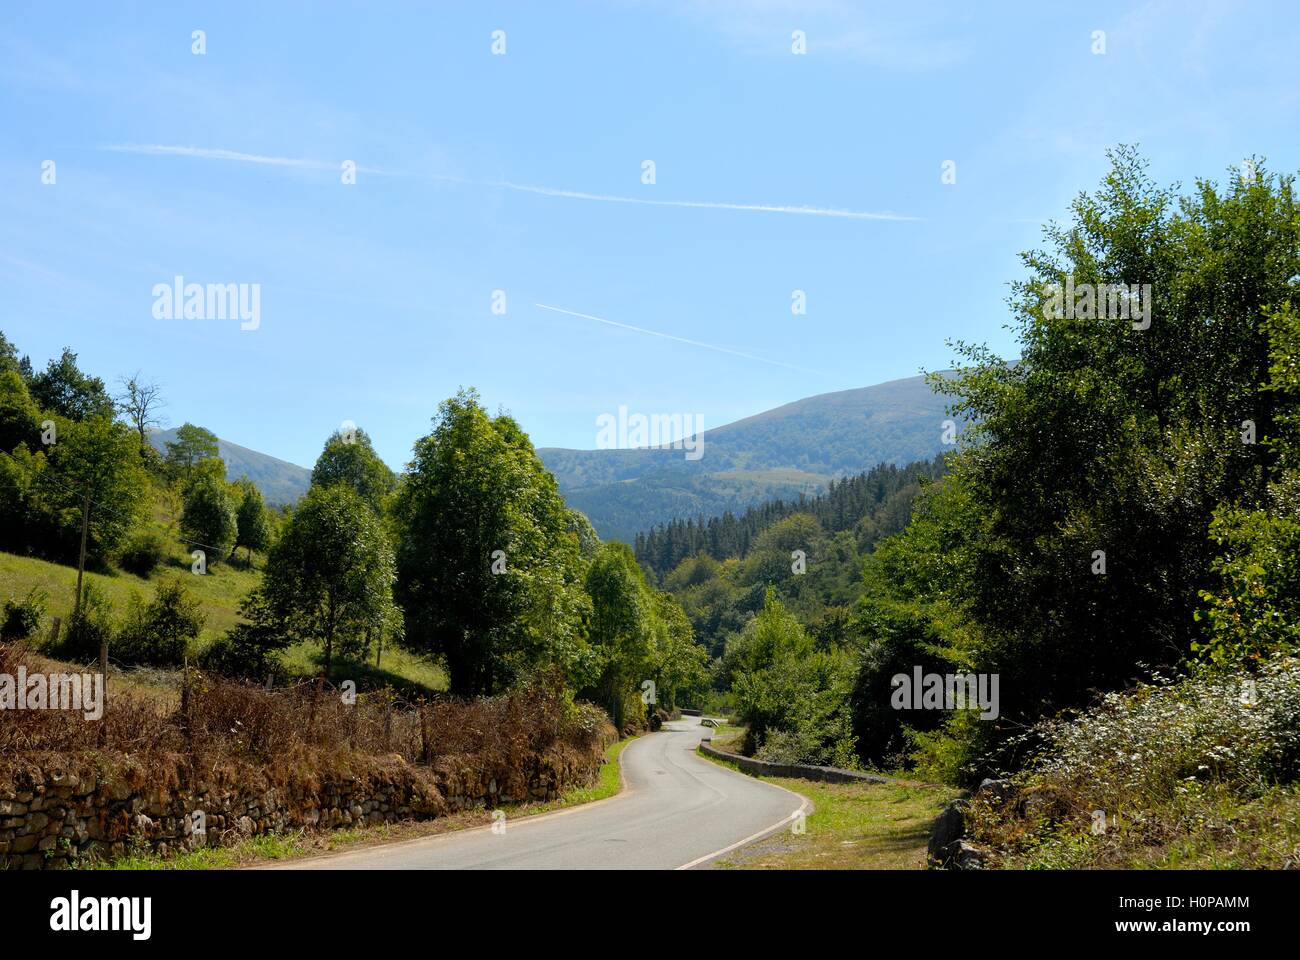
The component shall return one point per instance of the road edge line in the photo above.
(806, 807)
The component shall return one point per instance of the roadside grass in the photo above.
(309, 843)
(853, 826)
(728, 737)
(1209, 831)
(265, 848)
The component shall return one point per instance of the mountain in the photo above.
(279, 480)
(792, 449)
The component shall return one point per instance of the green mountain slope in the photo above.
(793, 449)
(279, 480)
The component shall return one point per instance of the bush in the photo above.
(159, 634)
(1177, 764)
(88, 628)
(143, 552)
(1237, 728)
(247, 651)
(22, 618)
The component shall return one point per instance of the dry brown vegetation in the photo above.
(240, 733)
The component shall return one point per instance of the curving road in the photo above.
(676, 810)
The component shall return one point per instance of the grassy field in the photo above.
(219, 591)
(857, 826)
(305, 843)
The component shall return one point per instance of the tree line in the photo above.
(847, 502)
(1122, 502)
(469, 556)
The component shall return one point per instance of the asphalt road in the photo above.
(676, 810)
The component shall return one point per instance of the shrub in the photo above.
(142, 553)
(1237, 728)
(247, 651)
(159, 633)
(22, 618)
(88, 628)
(1200, 767)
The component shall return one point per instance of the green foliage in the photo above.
(63, 389)
(792, 697)
(87, 627)
(1253, 611)
(331, 572)
(678, 665)
(912, 614)
(1195, 772)
(209, 518)
(20, 418)
(143, 551)
(580, 526)
(94, 458)
(160, 632)
(8, 355)
(871, 505)
(21, 619)
(254, 529)
(351, 459)
(192, 447)
(477, 498)
(1103, 437)
(248, 650)
(621, 629)
(720, 590)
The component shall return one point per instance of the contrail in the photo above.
(699, 204)
(669, 336)
(213, 153)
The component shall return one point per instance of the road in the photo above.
(676, 810)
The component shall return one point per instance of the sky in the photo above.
(522, 169)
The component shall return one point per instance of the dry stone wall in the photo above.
(55, 812)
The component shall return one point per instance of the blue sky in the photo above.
(481, 172)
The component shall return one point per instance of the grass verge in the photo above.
(853, 826)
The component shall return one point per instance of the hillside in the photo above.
(781, 453)
(280, 481)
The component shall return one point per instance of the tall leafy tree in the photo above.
(1252, 611)
(1097, 459)
(94, 461)
(489, 572)
(19, 416)
(190, 451)
(622, 630)
(330, 575)
(8, 355)
(63, 389)
(254, 530)
(350, 458)
(209, 518)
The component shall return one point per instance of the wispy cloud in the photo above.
(212, 153)
(670, 336)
